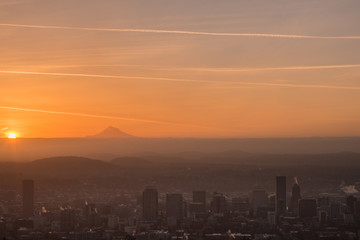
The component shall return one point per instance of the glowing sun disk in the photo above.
(12, 135)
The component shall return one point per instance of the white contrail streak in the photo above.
(268, 35)
(290, 85)
(86, 115)
(111, 117)
(4, 129)
(205, 69)
(273, 68)
(106, 76)
(187, 80)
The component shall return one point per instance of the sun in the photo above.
(12, 135)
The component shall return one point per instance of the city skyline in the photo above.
(145, 213)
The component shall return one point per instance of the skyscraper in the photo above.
(350, 202)
(67, 220)
(174, 206)
(335, 210)
(259, 199)
(280, 194)
(28, 198)
(218, 203)
(199, 197)
(198, 204)
(2, 229)
(307, 208)
(295, 197)
(150, 204)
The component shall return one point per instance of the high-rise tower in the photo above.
(28, 198)
(150, 204)
(174, 208)
(280, 194)
(295, 197)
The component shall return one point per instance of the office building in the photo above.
(295, 197)
(28, 198)
(281, 195)
(259, 199)
(218, 203)
(150, 204)
(199, 197)
(174, 208)
(67, 220)
(307, 208)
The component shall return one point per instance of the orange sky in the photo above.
(180, 84)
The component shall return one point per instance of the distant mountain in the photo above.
(111, 132)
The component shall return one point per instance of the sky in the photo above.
(180, 68)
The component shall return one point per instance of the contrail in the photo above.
(112, 76)
(205, 69)
(112, 117)
(209, 69)
(187, 80)
(159, 31)
(4, 129)
(87, 115)
(273, 68)
(288, 85)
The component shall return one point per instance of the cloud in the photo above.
(288, 85)
(107, 76)
(86, 115)
(208, 69)
(159, 31)
(239, 83)
(273, 68)
(3, 130)
(112, 117)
